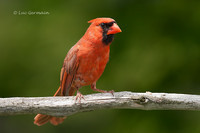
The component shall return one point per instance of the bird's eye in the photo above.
(102, 24)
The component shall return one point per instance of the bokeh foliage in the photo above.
(158, 51)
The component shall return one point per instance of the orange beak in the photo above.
(114, 29)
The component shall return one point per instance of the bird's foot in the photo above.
(93, 87)
(112, 92)
(79, 96)
(103, 91)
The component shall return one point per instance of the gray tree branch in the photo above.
(65, 106)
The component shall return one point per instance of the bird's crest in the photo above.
(101, 20)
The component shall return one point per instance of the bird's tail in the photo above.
(41, 119)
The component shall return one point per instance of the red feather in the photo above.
(84, 63)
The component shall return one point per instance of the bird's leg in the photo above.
(93, 87)
(79, 96)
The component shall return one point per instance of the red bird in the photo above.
(84, 63)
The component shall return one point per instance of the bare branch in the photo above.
(65, 106)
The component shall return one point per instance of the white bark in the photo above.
(65, 106)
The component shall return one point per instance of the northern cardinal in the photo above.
(84, 63)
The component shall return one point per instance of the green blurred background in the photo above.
(158, 51)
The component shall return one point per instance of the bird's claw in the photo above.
(79, 96)
(112, 92)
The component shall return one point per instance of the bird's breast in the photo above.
(92, 63)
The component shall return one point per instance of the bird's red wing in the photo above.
(68, 72)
